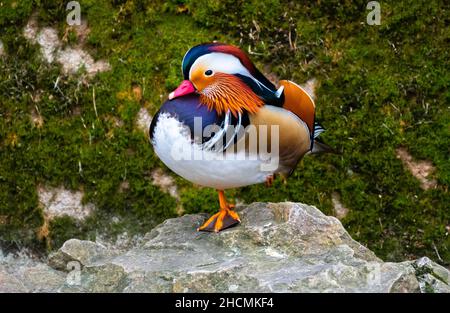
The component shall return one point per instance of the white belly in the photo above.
(174, 147)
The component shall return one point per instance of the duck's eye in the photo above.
(208, 73)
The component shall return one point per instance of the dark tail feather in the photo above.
(320, 147)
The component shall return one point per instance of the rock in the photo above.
(2, 49)
(279, 247)
(104, 278)
(143, 120)
(31, 29)
(340, 211)
(432, 276)
(422, 170)
(83, 252)
(48, 39)
(57, 202)
(22, 273)
(71, 59)
(9, 283)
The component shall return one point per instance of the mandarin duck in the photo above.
(227, 126)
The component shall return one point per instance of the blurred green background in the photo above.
(380, 89)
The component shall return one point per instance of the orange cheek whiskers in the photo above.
(228, 92)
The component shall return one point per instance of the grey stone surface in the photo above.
(279, 247)
(81, 251)
(22, 273)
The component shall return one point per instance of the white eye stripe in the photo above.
(223, 63)
(220, 62)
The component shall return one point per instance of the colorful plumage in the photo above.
(228, 126)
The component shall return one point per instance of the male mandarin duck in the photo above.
(223, 100)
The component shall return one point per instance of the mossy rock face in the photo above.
(379, 88)
(278, 247)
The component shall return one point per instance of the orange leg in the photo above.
(225, 218)
(269, 180)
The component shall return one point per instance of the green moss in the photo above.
(381, 87)
(14, 13)
(65, 228)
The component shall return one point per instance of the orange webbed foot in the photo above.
(223, 219)
(269, 180)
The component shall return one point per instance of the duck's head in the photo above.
(225, 78)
